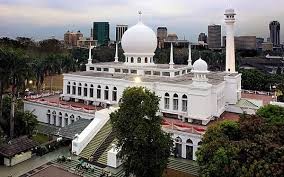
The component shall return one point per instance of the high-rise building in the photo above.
(101, 32)
(259, 42)
(230, 47)
(71, 38)
(120, 29)
(202, 38)
(274, 28)
(243, 42)
(214, 36)
(162, 33)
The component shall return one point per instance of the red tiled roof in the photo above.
(265, 98)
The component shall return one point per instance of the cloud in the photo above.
(185, 17)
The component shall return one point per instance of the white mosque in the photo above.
(191, 96)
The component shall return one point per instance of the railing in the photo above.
(258, 92)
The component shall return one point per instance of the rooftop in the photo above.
(16, 146)
(76, 127)
(214, 78)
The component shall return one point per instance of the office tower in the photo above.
(244, 42)
(120, 29)
(230, 41)
(202, 38)
(71, 38)
(101, 32)
(259, 42)
(274, 28)
(162, 33)
(214, 36)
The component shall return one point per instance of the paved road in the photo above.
(32, 163)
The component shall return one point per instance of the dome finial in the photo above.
(140, 15)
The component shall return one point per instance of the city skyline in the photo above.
(43, 19)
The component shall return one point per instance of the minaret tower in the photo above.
(90, 54)
(172, 57)
(116, 53)
(230, 40)
(189, 61)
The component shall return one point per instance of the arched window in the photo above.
(99, 92)
(66, 119)
(48, 116)
(139, 60)
(132, 60)
(54, 117)
(175, 102)
(74, 88)
(184, 103)
(72, 118)
(178, 147)
(91, 91)
(189, 141)
(114, 94)
(199, 143)
(60, 119)
(106, 92)
(167, 101)
(146, 60)
(68, 88)
(78, 118)
(80, 89)
(85, 90)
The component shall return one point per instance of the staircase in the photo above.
(98, 139)
(103, 147)
(183, 165)
(103, 157)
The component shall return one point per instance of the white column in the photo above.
(116, 53)
(189, 61)
(194, 152)
(172, 57)
(230, 40)
(183, 150)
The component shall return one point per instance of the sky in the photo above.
(41, 19)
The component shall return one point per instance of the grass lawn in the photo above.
(40, 138)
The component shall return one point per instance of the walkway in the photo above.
(32, 163)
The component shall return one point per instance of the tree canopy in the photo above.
(252, 147)
(144, 147)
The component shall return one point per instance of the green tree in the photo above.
(252, 147)
(25, 123)
(272, 113)
(144, 147)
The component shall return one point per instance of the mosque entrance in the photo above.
(178, 150)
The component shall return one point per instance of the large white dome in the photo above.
(139, 39)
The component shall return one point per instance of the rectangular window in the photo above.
(167, 103)
(183, 71)
(175, 107)
(176, 73)
(117, 70)
(79, 91)
(114, 96)
(68, 89)
(92, 68)
(106, 94)
(91, 92)
(85, 92)
(99, 93)
(147, 72)
(134, 71)
(125, 70)
(105, 69)
(166, 73)
(184, 105)
(99, 69)
(74, 90)
(156, 73)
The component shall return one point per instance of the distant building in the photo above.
(202, 38)
(162, 33)
(259, 42)
(214, 36)
(71, 38)
(243, 42)
(101, 32)
(274, 28)
(84, 42)
(120, 29)
(267, 46)
(172, 37)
